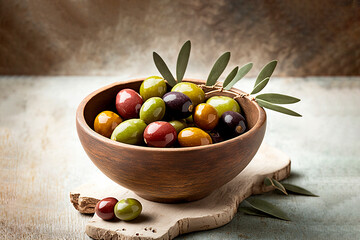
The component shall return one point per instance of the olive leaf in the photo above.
(260, 86)
(163, 69)
(266, 71)
(277, 108)
(218, 69)
(275, 184)
(231, 76)
(277, 98)
(267, 208)
(182, 61)
(240, 74)
(252, 211)
(299, 190)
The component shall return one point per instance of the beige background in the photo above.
(42, 37)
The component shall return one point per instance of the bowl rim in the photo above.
(80, 119)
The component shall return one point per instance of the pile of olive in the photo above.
(180, 117)
(125, 209)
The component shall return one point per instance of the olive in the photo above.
(231, 124)
(193, 136)
(223, 104)
(160, 134)
(128, 103)
(130, 131)
(152, 110)
(205, 116)
(178, 125)
(127, 209)
(105, 123)
(178, 105)
(189, 119)
(152, 87)
(215, 136)
(105, 208)
(195, 93)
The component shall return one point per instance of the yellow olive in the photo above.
(205, 116)
(105, 123)
(193, 91)
(193, 136)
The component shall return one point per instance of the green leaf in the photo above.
(240, 74)
(182, 61)
(277, 98)
(260, 86)
(277, 108)
(230, 77)
(267, 208)
(252, 211)
(275, 184)
(218, 69)
(266, 71)
(163, 69)
(299, 190)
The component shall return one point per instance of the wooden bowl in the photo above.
(168, 174)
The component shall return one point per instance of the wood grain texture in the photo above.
(166, 221)
(112, 37)
(168, 174)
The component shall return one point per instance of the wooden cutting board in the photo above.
(166, 221)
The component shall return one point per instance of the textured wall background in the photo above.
(111, 37)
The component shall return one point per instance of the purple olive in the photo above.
(215, 136)
(231, 124)
(178, 105)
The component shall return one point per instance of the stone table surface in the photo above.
(41, 160)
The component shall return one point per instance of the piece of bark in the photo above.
(166, 221)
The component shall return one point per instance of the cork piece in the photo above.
(166, 221)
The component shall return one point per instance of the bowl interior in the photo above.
(104, 99)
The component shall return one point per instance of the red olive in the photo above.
(160, 134)
(105, 208)
(128, 103)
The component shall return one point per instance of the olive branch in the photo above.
(270, 101)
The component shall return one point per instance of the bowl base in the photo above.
(173, 200)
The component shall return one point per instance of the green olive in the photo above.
(152, 87)
(223, 104)
(130, 132)
(127, 209)
(178, 125)
(152, 110)
(195, 93)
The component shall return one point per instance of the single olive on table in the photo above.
(127, 209)
(105, 208)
